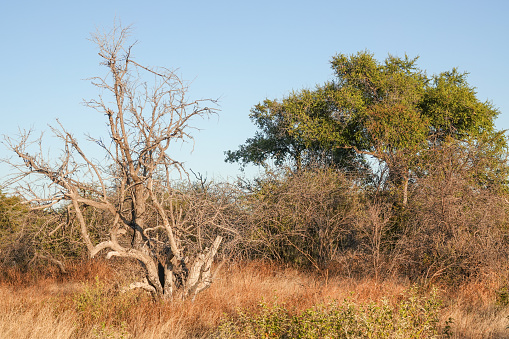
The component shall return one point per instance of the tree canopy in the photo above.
(391, 110)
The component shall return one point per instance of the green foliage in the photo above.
(415, 316)
(391, 110)
(453, 109)
(96, 304)
(105, 332)
(279, 138)
(12, 211)
(502, 296)
(91, 301)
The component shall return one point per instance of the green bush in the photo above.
(415, 316)
(98, 305)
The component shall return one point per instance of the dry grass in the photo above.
(80, 306)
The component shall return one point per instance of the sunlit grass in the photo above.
(244, 296)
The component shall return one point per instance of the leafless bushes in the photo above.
(37, 237)
(453, 227)
(450, 221)
(304, 217)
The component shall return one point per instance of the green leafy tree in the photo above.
(391, 111)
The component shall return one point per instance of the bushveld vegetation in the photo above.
(382, 213)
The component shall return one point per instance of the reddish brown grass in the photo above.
(45, 306)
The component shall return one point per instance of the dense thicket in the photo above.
(384, 171)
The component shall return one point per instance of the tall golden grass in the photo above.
(87, 303)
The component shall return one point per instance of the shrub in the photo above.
(303, 217)
(415, 316)
(456, 224)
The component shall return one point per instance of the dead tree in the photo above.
(174, 234)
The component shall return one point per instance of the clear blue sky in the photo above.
(242, 52)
